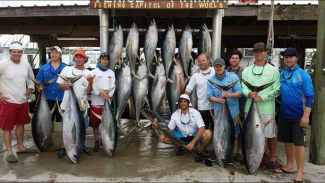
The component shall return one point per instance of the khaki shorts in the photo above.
(269, 130)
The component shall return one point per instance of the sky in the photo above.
(9, 38)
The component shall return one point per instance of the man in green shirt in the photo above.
(258, 74)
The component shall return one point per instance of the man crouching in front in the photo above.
(191, 128)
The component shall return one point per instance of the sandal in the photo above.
(298, 181)
(271, 166)
(283, 171)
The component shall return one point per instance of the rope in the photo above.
(270, 37)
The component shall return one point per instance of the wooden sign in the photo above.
(159, 4)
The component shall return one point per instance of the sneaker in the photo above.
(11, 159)
(239, 157)
(85, 150)
(230, 162)
(181, 151)
(96, 147)
(61, 153)
(199, 158)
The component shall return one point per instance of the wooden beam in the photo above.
(288, 12)
(40, 11)
(317, 135)
(74, 43)
(93, 30)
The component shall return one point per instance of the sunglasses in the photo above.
(105, 54)
(17, 42)
(258, 73)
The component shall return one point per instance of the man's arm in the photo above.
(191, 85)
(275, 88)
(30, 83)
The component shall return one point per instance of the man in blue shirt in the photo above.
(297, 97)
(224, 78)
(49, 71)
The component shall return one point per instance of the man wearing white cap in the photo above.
(190, 125)
(14, 74)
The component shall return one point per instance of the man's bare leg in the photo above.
(7, 138)
(19, 132)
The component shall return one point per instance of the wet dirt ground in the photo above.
(138, 158)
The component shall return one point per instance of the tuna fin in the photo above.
(223, 88)
(256, 88)
(30, 114)
(212, 115)
(269, 121)
(135, 76)
(74, 133)
(147, 102)
(98, 116)
(117, 115)
(192, 60)
(156, 59)
(85, 113)
(57, 104)
(52, 111)
(164, 103)
(151, 76)
(35, 81)
(48, 82)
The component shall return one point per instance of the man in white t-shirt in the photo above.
(199, 81)
(81, 87)
(103, 81)
(14, 74)
(190, 125)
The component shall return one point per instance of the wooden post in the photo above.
(42, 54)
(317, 139)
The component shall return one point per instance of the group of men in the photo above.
(193, 126)
(16, 76)
(293, 84)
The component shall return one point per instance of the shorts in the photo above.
(13, 114)
(207, 119)
(269, 130)
(93, 120)
(187, 139)
(56, 114)
(237, 129)
(290, 131)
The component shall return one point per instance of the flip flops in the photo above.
(284, 171)
(27, 151)
(11, 159)
(298, 181)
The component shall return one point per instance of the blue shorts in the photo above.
(187, 139)
(237, 129)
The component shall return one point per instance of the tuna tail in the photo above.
(44, 83)
(223, 88)
(71, 80)
(53, 109)
(256, 88)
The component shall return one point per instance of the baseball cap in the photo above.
(105, 54)
(259, 46)
(290, 52)
(219, 61)
(184, 96)
(80, 52)
(56, 48)
(16, 46)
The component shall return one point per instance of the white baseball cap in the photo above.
(16, 46)
(185, 97)
(56, 48)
